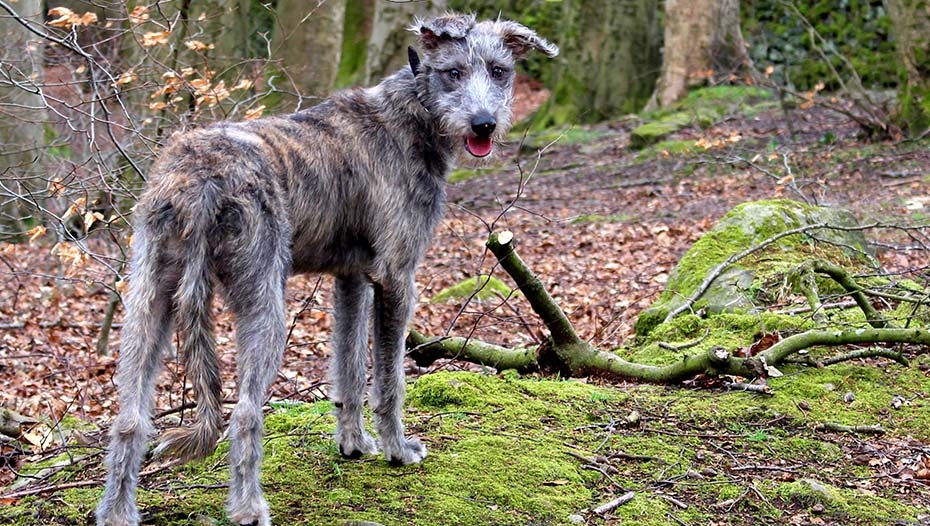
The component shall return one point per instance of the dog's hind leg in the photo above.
(257, 300)
(393, 304)
(349, 364)
(145, 334)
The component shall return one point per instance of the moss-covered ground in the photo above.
(510, 450)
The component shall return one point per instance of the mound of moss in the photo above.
(760, 278)
(481, 287)
(701, 108)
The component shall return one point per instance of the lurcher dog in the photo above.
(353, 187)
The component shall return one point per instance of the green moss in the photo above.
(730, 330)
(853, 33)
(808, 492)
(499, 453)
(653, 132)
(482, 287)
(464, 174)
(598, 218)
(564, 136)
(670, 148)
(442, 391)
(701, 107)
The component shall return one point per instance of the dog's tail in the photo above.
(193, 302)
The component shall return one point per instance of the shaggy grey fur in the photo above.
(352, 187)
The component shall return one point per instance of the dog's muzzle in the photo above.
(480, 144)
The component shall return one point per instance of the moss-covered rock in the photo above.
(760, 278)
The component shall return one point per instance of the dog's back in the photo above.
(355, 180)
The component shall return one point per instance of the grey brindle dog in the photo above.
(353, 187)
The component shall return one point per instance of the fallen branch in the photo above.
(686, 345)
(781, 350)
(52, 488)
(841, 276)
(614, 504)
(752, 388)
(425, 351)
(841, 428)
(871, 352)
(560, 328)
(567, 354)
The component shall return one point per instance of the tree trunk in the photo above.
(308, 43)
(702, 41)
(359, 19)
(387, 48)
(610, 59)
(228, 28)
(910, 21)
(22, 112)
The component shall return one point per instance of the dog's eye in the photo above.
(455, 74)
(497, 72)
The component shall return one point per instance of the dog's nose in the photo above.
(483, 124)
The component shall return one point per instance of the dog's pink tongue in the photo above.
(477, 146)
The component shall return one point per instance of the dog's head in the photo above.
(466, 75)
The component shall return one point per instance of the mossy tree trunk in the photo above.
(308, 43)
(609, 60)
(356, 32)
(703, 41)
(911, 25)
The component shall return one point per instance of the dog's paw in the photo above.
(253, 512)
(113, 511)
(354, 445)
(107, 520)
(410, 451)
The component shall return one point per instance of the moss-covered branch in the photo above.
(841, 276)
(791, 345)
(562, 331)
(425, 351)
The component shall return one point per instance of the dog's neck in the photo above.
(402, 95)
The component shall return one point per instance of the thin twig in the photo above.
(753, 388)
(686, 345)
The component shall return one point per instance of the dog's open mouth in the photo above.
(479, 146)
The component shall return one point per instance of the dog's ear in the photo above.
(414, 60)
(521, 39)
(434, 31)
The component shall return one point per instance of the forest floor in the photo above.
(603, 225)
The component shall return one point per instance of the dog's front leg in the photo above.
(394, 301)
(348, 365)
